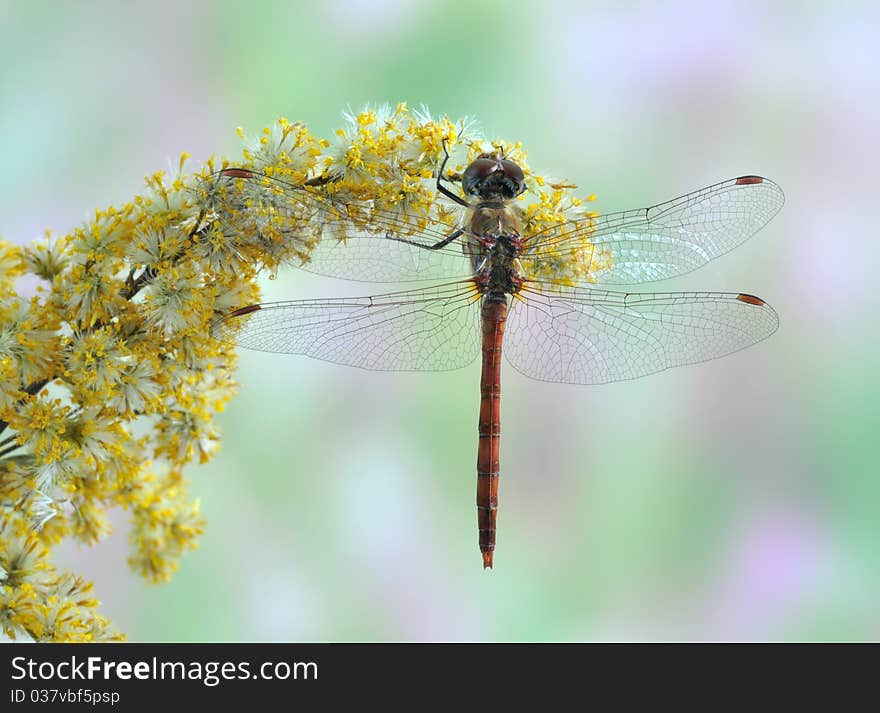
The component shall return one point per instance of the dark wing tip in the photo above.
(243, 311)
(749, 180)
(236, 173)
(751, 300)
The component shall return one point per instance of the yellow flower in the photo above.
(46, 257)
(12, 264)
(165, 525)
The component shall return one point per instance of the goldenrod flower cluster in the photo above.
(110, 378)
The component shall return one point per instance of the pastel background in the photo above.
(734, 500)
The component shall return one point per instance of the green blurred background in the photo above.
(733, 500)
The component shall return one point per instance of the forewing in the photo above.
(329, 235)
(580, 336)
(433, 329)
(656, 243)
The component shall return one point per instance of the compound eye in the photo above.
(512, 171)
(483, 167)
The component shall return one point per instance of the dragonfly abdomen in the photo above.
(494, 315)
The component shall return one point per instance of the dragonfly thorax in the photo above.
(499, 272)
(496, 229)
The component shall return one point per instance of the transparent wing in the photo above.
(580, 336)
(357, 240)
(655, 243)
(381, 258)
(433, 329)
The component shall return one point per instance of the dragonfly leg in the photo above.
(436, 246)
(443, 243)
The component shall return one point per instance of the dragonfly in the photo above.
(548, 300)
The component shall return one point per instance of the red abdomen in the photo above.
(494, 314)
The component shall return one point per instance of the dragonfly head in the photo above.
(492, 176)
